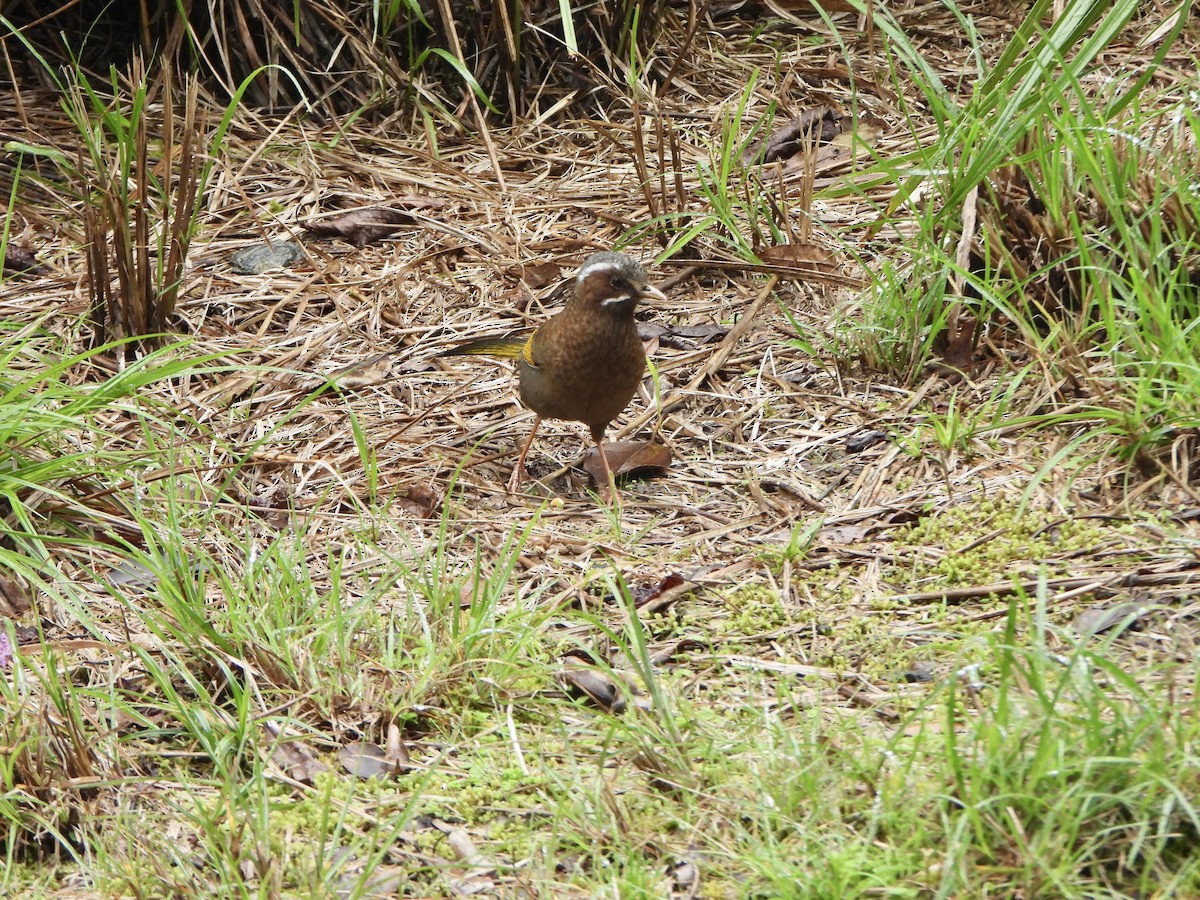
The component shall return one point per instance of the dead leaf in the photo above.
(361, 226)
(864, 440)
(628, 458)
(363, 760)
(660, 596)
(813, 127)
(364, 373)
(686, 875)
(790, 254)
(266, 257)
(682, 337)
(846, 534)
(15, 599)
(648, 592)
(21, 259)
(538, 275)
(419, 499)
(960, 343)
(588, 683)
(1102, 618)
(674, 649)
(294, 758)
(663, 774)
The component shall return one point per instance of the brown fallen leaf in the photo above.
(681, 337)
(628, 458)
(419, 499)
(21, 259)
(801, 260)
(686, 875)
(265, 257)
(361, 226)
(1104, 617)
(364, 760)
(583, 681)
(847, 534)
(647, 592)
(538, 275)
(664, 775)
(813, 127)
(865, 440)
(658, 597)
(294, 758)
(15, 599)
(789, 254)
(961, 342)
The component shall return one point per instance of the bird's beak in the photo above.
(650, 292)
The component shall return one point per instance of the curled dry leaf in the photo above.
(663, 776)
(1102, 618)
(364, 373)
(21, 259)
(361, 226)
(364, 760)
(864, 440)
(297, 761)
(788, 254)
(799, 260)
(649, 592)
(628, 458)
(268, 257)
(15, 599)
(681, 337)
(591, 685)
(656, 598)
(420, 499)
(813, 127)
(538, 275)
(686, 875)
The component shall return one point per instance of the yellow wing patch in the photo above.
(527, 352)
(504, 348)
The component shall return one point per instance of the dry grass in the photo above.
(335, 426)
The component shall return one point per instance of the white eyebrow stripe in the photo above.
(600, 265)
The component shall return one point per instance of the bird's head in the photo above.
(614, 282)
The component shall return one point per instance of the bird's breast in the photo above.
(583, 372)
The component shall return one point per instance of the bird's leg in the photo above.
(518, 472)
(608, 490)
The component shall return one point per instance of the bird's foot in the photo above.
(514, 480)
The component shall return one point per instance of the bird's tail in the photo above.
(502, 347)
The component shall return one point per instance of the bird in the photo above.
(585, 363)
